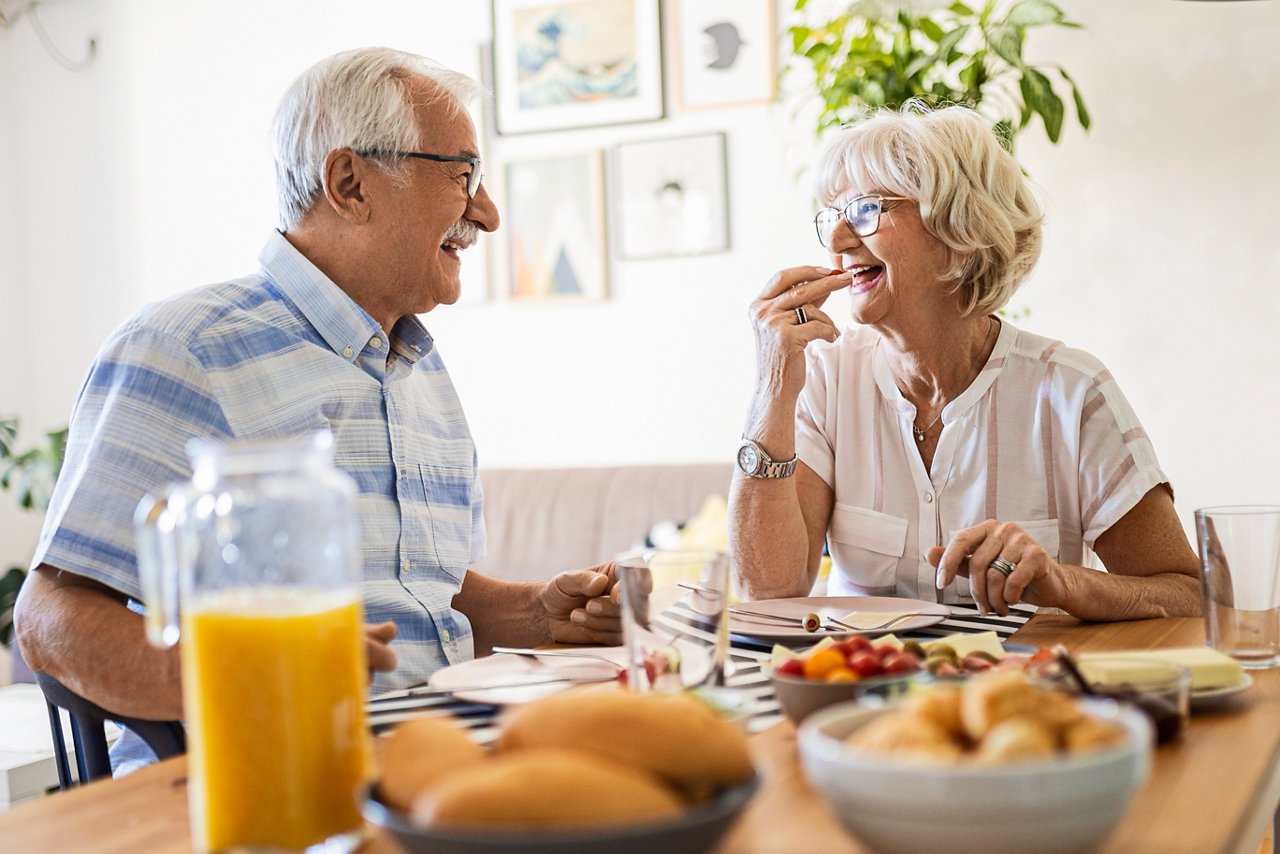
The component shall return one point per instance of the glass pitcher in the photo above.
(255, 565)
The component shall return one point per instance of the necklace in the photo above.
(921, 431)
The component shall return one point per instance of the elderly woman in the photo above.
(942, 453)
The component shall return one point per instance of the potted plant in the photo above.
(883, 53)
(30, 476)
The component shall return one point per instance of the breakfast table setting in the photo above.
(1215, 788)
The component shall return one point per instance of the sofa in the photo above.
(542, 521)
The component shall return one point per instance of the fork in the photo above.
(552, 653)
(892, 621)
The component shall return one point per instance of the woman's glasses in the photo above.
(862, 213)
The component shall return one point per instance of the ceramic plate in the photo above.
(1212, 698)
(506, 670)
(828, 607)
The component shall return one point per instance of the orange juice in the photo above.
(273, 685)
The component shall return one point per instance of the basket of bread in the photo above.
(995, 763)
(581, 771)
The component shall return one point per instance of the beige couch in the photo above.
(543, 521)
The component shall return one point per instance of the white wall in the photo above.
(148, 174)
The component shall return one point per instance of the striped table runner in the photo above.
(746, 674)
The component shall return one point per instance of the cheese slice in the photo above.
(988, 642)
(1209, 668)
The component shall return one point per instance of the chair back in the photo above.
(89, 734)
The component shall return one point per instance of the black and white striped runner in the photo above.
(747, 675)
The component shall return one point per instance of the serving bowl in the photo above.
(694, 831)
(800, 697)
(1064, 804)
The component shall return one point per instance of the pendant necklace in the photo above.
(921, 431)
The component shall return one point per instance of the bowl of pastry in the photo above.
(581, 771)
(994, 764)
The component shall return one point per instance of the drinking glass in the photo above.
(255, 565)
(1240, 575)
(692, 587)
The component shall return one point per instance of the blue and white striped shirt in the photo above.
(272, 356)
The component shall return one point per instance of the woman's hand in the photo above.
(780, 336)
(1035, 577)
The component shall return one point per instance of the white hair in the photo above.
(359, 99)
(971, 192)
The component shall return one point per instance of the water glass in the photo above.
(1240, 572)
(692, 588)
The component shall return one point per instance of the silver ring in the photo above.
(1003, 566)
(801, 317)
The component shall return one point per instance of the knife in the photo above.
(428, 691)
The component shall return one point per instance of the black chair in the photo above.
(88, 732)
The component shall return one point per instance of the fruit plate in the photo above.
(694, 831)
(831, 607)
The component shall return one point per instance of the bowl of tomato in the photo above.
(858, 666)
(844, 670)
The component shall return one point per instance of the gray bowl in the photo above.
(695, 831)
(801, 697)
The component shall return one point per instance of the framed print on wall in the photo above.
(725, 52)
(555, 227)
(670, 197)
(573, 63)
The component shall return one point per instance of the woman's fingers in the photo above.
(974, 550)
(784, 280)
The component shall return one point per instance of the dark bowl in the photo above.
(695, 831)
(801, 697)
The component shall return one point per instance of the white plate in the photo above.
(505, 669)
(1212, 698)
(828, 607)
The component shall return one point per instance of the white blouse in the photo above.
(1043, 437)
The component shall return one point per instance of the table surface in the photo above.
(1215, 790)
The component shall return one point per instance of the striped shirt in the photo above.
(271, 356)
(1043, 437)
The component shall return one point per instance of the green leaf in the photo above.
(931, 28)
(1033, 13)
(948, 42)
(1082, 113)
(800, 4)
(1045, 102)
(1007, 44)
(961, 10)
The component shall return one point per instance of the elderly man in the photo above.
(381, 190)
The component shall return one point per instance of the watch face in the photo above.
(748, 459)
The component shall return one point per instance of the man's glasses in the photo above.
(862, 214)
(474, 177)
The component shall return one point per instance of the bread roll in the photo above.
(1017, 739)
(992, 698)
(908, 736)
(419, 752)
(675, 737)
(544, 788)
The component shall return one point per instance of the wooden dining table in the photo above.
(1216, 789)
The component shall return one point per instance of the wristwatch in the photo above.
(754, 462)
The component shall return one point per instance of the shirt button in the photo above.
(444, 633)
(928, 498)
(404, 565)
(346, 352)
(375, 342)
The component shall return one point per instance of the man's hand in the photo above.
(377, 639)
(582, 606)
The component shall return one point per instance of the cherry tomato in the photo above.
(856, 643)
(840, 674)
(792, 666)
(900, 662)
(865, 663)
(817, 665)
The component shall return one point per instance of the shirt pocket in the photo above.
(446, 504)
(867, 546)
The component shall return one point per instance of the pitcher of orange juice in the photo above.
(255, 566)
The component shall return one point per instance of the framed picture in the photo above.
(555, 227)
(572, 63)
(671, 197)
(725, 52)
